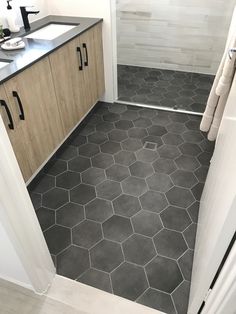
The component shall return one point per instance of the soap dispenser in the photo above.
(11, 19)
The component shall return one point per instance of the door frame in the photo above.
(221, 298)
(19, 220)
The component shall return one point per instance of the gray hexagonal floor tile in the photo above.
(132, 144)
(70, 215)
(98, 138)
(187, 163)
(181, 297)
(180, 197)
(147, 113)
(153, 201)
(176, 127)
(172, 139)
(157, 130)
(164, 165)
(190, 149)
(126, 205)
(79, 164)
(102, 161)
(117, 135)
(89, 150)
(175, 218)
(193, 211)
(46, 217)
(117, 228)
(157, 300)
(106, 256)
(82, 194)
(130, 115)
(137, 133)
(193, 136)
(169, 151)
(36, 200)
(201, 174)
(111, 117)
(147, 223)
(58, 238)
(55, 198)
(68, 180)
(67, 262)
(185, 179)
(110, 147)
(104, 127)
(138, 249)
(186, 264)
(163, 274)
(67, 153)
(98, 210)
(129, 281)
(124, 124)
(170, 243)
(117, 108)
(55, 167)
(125, 158)
(108, 190)
(197, 191)
(190, 235)
(142, 123)
(134, 186)
(44, 184)
(93, 176)
(146, 155)
(78, 140)
(96, 279)
(117, 173)
(159, 182)
(87, 234)
(141, 169)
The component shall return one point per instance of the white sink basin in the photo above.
(50, 31)
(3, 64)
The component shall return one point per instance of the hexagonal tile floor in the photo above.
(121, 215)
(165, 88)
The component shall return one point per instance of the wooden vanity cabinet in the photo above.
(48, 99)
(78, 73)
(35, 137)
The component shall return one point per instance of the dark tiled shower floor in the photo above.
(172, 89)
(121, 217)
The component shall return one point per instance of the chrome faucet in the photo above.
(25, 18)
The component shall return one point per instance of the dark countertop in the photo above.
(36, 49)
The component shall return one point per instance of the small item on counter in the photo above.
(6, 32)
(13, 44)
(11, 19)
(1, 34)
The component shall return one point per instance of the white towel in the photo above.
(221, 87)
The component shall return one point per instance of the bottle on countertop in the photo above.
(11, 18)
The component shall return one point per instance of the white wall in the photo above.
(11, 268)
(93, 8)
(38, 4)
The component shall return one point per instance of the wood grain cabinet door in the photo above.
(68, 79)
(17, 136)
(93, 65)
(42, 125)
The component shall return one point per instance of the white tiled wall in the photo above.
(187, 35)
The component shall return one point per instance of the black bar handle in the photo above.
(86, 53)
(81, 59)
(4, 104)
(22, 114)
